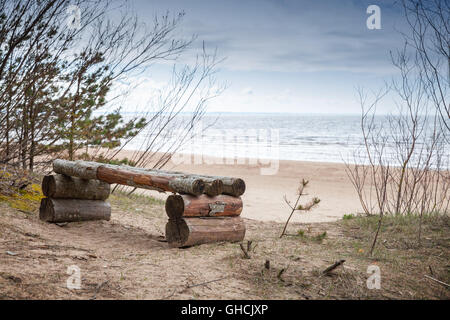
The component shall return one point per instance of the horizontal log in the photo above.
(213, 186)
(72, 210)
(231, 186)
(130, 176)
(187, 232)
(59, 186)
(80, 169)
(178, 206)
(159, 180)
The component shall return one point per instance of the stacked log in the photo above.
(71, 199)
(203, 219)
(179, 206)
(65, 187)
(187, 232)
(73, 210)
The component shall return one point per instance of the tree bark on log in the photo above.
(130, 176)
(193, 231)
(60, 186)
(72, 210)
(213, 186)
(231, 186)
(178, 206)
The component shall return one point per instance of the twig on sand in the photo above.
(246, 251)
(170, 295)
(333, 266)
(438, 281)
(281, 273)
(193, 286)
(97, 290)
(204, 283)
(249, 245)
(161, 239)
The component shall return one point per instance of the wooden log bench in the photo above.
(202, 209)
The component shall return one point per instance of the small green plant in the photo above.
(320, 237)
(299, 207)
(348, 216)
(301, 233)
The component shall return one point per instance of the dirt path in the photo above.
(126, 258)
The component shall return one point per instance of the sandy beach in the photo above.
(264, 196)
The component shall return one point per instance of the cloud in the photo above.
(293, 36)
(289, 55)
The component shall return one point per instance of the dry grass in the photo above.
(126, 258)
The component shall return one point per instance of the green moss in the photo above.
(27, 199)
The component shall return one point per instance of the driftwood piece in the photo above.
(333, 266)
(246, 255)
(206, 282)
(72, 210)
(438, 281)
(67, 187)
(130, 176)
(187, 232)
(178, 206)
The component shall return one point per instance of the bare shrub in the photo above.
(403, 167)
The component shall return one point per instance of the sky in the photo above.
(285, 56)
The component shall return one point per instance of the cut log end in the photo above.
(238, 187)
(234, 187)
(174, 206)
(197, 187)
(46, 210)
(177, 232)
(214, 188)
(48, 185)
